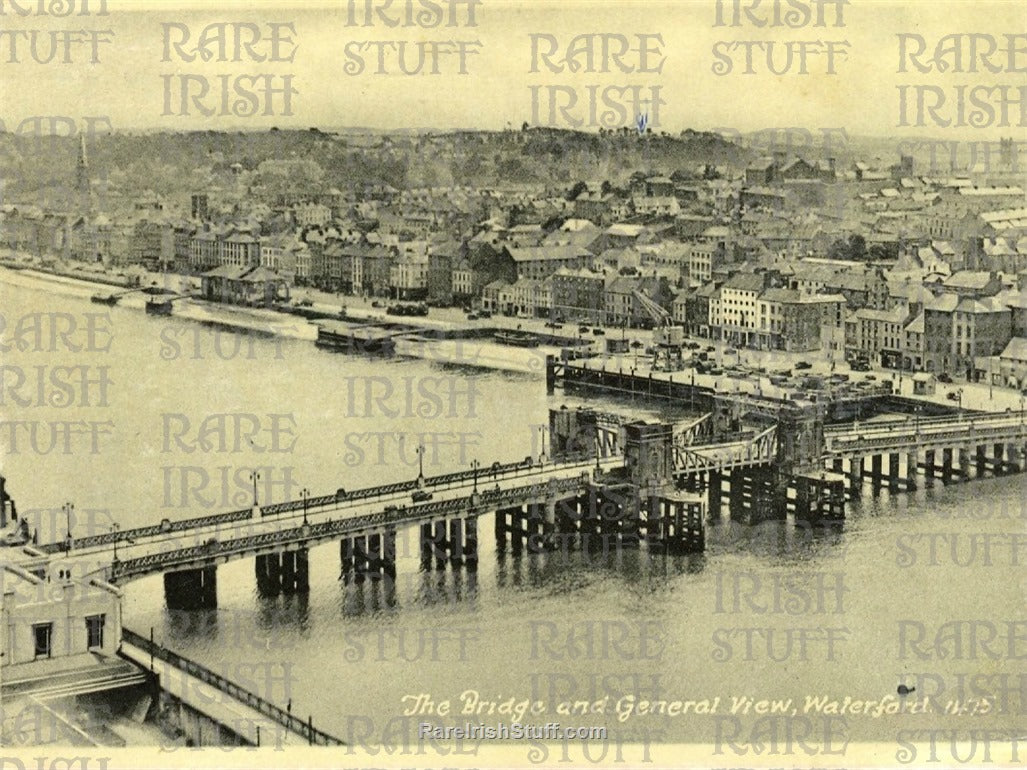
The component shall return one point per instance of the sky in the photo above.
(138, 79)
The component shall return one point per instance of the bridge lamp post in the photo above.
(475, 465)
(68, 508)
(116, 528)
(255, 477)
(305, 493)
(420, 464)
(542, 448)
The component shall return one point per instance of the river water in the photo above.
(771, 611)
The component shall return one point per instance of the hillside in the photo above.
(175, 164)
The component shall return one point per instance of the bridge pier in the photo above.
(603, 523)
(962, 457)
(192, 589)
(346, 557)
(735, 494)
(912, 464)
(855, 477)
(455, 541)
(946, 465)
(1001, 467)
(1018, 457)
(755, 495)
(360, 561)
(876, 473)
(509, 522)
(820, 497)
(894, 472)
(439, 544)
(693, 483)
(929, 468)
(285, 572)
(981, 461)
(676, 521)
(569, 516)
(471, 543)
(715, 489)
(617, 517)
(372, 555)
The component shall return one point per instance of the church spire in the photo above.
(82, 170)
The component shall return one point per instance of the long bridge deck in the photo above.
(215, 539)
(220, 538)
(912, 433)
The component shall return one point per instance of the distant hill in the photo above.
(177, 163)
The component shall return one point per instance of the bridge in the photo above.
(953, 448)
(758, 449)
(606, 475)
(931, 433)
(631, 473)
(364, 521)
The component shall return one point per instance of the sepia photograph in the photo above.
(484, 383)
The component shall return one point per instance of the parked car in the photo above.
(485, 314)
(376, 303)
(598, 332)
(472, 316)
(945, 377)
(420, 496)
(637, 344)
(953, 396)
(804, 365)
(694, 346)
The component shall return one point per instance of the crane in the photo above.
(668, 337)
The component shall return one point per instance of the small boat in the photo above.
(102, 298)
(354, 339)
(159, 306)
(520, 339)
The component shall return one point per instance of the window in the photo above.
(94, 630)
(43, 637)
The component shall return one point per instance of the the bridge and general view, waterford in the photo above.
(604, 481)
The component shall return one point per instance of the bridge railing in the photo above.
(689, 434)
(981, 419)
(325, 530)
(295, 725)
(760, 448)
(168, 526)
(430, 482)
(895, 438)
